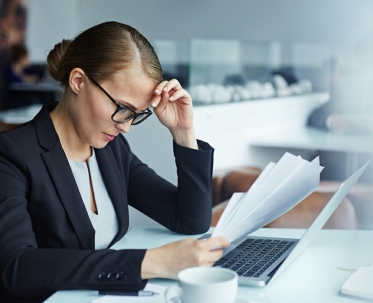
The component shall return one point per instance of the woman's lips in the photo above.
(109, 137)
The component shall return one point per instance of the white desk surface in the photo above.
(314, 139)
(19, 115)
(314, 277)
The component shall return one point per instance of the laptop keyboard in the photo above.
(255, 256)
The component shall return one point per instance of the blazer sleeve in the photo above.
(185, 208)
(31, 273)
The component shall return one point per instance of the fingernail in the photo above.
(157, 91)
(165, 89)
(172, 98)
(153, 104)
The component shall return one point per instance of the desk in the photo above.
(24, 94)
(13, 117)
(313, 278)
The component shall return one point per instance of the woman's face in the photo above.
(92, 114)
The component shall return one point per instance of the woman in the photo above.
(68, 176)
(19, 62)
(18, 70)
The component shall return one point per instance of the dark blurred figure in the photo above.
(13, 17)
(16, 71)
(19, 71)
(13, 20)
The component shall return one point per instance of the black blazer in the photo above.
(46, 237)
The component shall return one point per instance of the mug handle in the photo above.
(169, 291)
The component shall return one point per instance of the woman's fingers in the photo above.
(167, 86)
(168, 260)
(162, 102)
(155, 100)
(161, 90)
(173, 90)
(160, 87)
(171, 96)
(215, 255)
(216, 242)
(210, 249)
(173, 106)
(172, 85)
(179, 94)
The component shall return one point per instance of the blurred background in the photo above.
(266, 76)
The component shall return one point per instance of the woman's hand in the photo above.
(168, 260)
(173, 106)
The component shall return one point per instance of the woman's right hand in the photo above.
(168, 260)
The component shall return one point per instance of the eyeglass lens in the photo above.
(126, 115)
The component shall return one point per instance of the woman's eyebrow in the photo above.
(122, 102)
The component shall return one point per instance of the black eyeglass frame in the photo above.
(120, 107)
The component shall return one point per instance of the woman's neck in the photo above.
(74, 147)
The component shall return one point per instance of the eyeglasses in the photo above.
(123, 113)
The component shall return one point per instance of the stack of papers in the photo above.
(278, 189)
(360, 284)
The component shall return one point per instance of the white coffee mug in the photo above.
(204, 285)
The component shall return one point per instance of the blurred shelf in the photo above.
(254, 114)
(310, 138)
(321, 97)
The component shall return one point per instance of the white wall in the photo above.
(49, 21)
(338, 22)
(327, 21)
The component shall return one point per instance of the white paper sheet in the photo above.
(278, 188)
(159, 298)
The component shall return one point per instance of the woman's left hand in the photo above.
(173, 106)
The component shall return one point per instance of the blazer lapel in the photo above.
(60, 171)
(61, 174)
(116, 187)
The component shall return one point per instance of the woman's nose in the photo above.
(124, 127)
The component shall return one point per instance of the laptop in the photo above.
(259, 260)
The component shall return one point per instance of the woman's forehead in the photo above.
(133, 88)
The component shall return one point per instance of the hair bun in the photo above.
(55, 57)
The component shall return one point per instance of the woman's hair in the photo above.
(103, 50)
(18, 52)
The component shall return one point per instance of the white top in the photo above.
(105, 222)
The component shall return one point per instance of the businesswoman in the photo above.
(68, 176)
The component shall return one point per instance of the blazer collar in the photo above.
(59, 169)
(61, 174)
(44, 127)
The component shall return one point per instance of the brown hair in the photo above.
(17, 52)
(103, 50)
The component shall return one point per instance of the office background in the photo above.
(315, 34)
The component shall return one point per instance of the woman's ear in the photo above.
(76, 79)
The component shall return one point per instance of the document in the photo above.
(360, 284)
(158, 296)
(279, 188)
